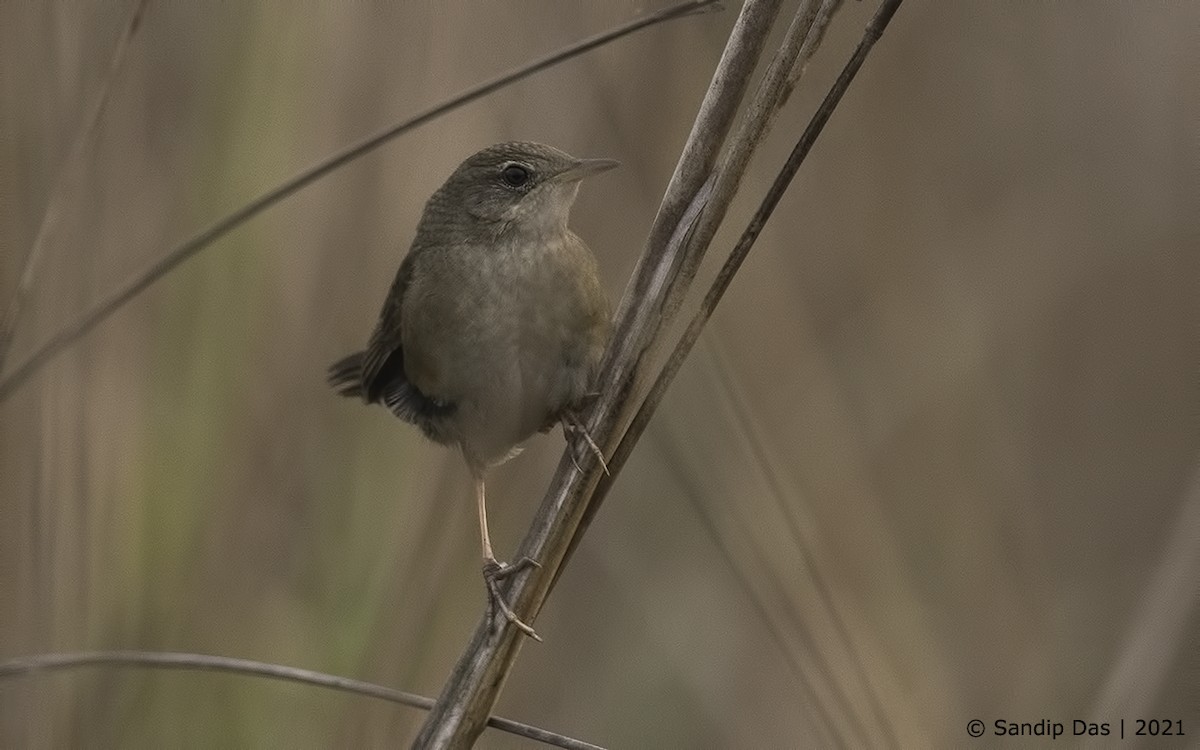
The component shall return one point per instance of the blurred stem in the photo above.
(160, 268)
(749, 434)
(41, 663)
(67, 181)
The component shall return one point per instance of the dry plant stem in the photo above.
(143, 280)
(685, 200)
(686, 341)
(813, 40)
(64, 186)
(479, 675)
(760, 114)
(40, 663)
(799, 43)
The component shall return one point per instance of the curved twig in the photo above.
(40, 663)
(144, 279)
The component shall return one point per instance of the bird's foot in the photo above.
(573, 427)
(495, 571)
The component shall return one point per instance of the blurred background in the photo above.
(936, 459)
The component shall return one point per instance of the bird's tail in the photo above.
(345, 375)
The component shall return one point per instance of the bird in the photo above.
(496, 322)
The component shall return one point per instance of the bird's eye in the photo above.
(514, 175)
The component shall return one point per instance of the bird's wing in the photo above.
(383, 359)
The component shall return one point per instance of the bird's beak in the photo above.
(585, 168)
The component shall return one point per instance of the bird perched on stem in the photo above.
(496, 322)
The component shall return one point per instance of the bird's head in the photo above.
(527, 185)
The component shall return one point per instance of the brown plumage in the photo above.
(496, 322)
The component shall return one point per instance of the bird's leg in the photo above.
(495, 571)
(573, 427)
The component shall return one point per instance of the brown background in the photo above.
(956, 383)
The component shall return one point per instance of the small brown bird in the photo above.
(496, 322)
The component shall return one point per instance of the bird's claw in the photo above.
(495, 571)
(573, 427)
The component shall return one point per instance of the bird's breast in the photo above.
(513, 332)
